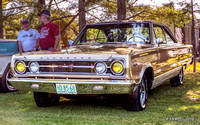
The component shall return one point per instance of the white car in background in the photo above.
(8, 47)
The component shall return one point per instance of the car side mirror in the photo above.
(70, 42)
(159, 40)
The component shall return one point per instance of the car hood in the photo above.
(105, 49)
(117, 49)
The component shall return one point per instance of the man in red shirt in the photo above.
(49, 33)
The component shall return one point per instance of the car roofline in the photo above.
(124, 22)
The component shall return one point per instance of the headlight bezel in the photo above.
(29, 66)
(103, 71)
(16, 69)
(111, 67)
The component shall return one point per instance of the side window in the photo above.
(159, 33)
(95, 35)
(154, 37)
(92, 35)
(168, 38)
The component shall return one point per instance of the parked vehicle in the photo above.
(126, 58)
(8, 47)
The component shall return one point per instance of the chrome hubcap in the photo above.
(9, 75)
(143, 94)
(181, 76)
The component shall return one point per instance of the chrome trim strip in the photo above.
(61, 66)
(185, 60)
(22, 80)
(165, 76)
(68, 75)
(62, 76)
(8, 40)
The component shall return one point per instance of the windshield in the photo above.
(135, 33)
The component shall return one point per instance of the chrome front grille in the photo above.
(69, 69)
(67, 66)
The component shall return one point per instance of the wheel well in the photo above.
(149, 74)
(7, 66)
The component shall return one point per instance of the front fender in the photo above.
(146, 70)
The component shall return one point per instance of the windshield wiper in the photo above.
(112, 43)
(88, 43)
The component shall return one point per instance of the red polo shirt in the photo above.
(47, 35)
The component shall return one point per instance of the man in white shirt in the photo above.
(27, 38)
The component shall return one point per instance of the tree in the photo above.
(1, 20)
(19, 9)
(121, 9)
(81, 10)
(166, 14)
(88, 11)
(41, 4)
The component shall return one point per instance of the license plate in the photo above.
(66, 89)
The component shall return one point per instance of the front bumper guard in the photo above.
(82, 86)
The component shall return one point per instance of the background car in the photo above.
(8, 47)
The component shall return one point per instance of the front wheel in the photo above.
(43, 99)
(137, 99)
(178, 80)
(5, 86)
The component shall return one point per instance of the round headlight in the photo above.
(117, 68)
(34, 67)
(20, 67)
(100, 67)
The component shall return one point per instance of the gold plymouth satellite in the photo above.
(112, 58)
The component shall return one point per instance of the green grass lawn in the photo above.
(166, 106)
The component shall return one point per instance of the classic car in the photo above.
(126, 58)
(8, 47)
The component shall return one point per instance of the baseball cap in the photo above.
(46, 12)
(24, 21)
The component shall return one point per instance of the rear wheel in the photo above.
(137, 99)
(5, 86)
(178, 80)
(43, 99)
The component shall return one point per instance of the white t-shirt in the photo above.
(28, 39)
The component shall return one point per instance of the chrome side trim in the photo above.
(185, 60)
(8, 40)
(165, 76)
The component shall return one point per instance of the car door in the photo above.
(167, 53)
(183, 52)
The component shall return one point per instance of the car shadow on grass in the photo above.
(116, 101)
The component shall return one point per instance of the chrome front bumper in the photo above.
(82, 86)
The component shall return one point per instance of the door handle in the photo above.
(174, 49)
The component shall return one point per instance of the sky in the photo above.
(152, 2)
(160, 2)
